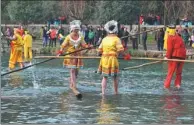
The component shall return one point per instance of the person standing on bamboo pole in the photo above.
(16, 50)
(110, 47)
(175, 50)
(73, 42)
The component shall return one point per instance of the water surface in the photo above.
(40, 94)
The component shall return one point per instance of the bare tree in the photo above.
(73, 9)
(178, 9)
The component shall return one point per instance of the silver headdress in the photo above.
(75, 25)
(109, 24)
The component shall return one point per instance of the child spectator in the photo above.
(91, 36)
(144, 39)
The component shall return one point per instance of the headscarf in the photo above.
(109, 24)
(75, 25)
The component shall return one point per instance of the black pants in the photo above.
(91, 41)
(8, 42)
(125, 42)
(160, 45)
(86, 39)
(144, 44)
(135, 43)
(53, 41)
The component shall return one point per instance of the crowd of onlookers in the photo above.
(94, 34)
(149, 19)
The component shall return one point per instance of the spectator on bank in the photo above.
(141, 19)
(53, 36)
(86, 34)
(91, 36)
(9, 34)
(158, 19)
(155, 21)
(45, 36)
(121, 30)
(192, 39)
(103, 32)
(160, 39)
(125, 35)
(134, 37)
(82, 31)
(144, 39)
(185, 36)
(97, 35)
(62, 32)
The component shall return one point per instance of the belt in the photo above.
(113, 54)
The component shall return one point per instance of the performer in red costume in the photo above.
(175, 50)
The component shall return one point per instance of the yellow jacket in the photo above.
(167, 33)
(27, 40)
(110, 45)
(73, 45)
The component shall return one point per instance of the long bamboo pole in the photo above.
(42, 62)
(139, 66)
(96, 57)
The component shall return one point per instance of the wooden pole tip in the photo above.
(79, 96)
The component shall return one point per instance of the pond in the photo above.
(41, 94)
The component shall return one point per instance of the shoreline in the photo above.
(93, 52)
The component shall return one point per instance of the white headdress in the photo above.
(109, 24)
(75, 25)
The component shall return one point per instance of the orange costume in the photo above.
(175, 50)
(16, 50)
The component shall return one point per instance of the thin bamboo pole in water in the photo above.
(139, 66)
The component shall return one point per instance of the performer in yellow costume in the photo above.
(16, 50)
(110, 47)
(73, 42)
(27, 47)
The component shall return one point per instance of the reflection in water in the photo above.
(64, 102)
(107, 114)
(172, 108)
(15, 79)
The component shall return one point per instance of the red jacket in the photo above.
(53, 33)
(175, 47)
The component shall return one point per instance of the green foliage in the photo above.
(118, 10)
(89, 12)
(32, 11)
(95, 12)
